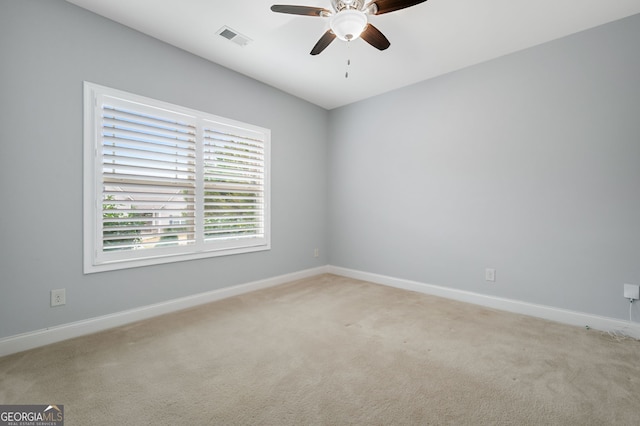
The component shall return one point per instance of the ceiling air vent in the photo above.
(234, 36)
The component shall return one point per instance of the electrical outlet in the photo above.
(58, 297)
(490, 274)
(316, 252)
(632, 291)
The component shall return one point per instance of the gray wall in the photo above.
(47, 48)
(529, 164)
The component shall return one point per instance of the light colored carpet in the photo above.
(334, 351)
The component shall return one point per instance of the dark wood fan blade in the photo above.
(324, 41)
(386, 6)
(374, 37)
(300, 10)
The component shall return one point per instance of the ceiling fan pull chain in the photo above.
(346, 74)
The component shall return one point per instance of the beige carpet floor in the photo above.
(330, 350)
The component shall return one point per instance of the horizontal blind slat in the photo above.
(113, 177)
(141, 128)
(151, 143)
(143, 149)
(212, 136)
(119, 118)
(150, 169)
(159, 115)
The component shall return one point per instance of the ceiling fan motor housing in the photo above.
(339, 5)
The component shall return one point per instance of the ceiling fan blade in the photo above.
(324, 41)
(374, 37)
(386, 6)
(300, 10)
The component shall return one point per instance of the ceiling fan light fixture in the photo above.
(348, 24)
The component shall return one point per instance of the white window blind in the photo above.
(166, 183)
(233, 184)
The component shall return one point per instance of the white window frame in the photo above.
(95, 258)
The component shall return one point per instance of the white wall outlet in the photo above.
(58, 297)
(632, 291)
(490, 274)
(316, 252)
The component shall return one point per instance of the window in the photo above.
(165, 183)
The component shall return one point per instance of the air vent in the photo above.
(234, 36)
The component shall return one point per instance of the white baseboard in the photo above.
(628, 328)
(30, 340)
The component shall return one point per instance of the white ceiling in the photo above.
(427, 40)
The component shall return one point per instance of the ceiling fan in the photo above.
(348, 20)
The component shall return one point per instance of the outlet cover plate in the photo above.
(490, 274)
(58, 297)
(632, 291)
